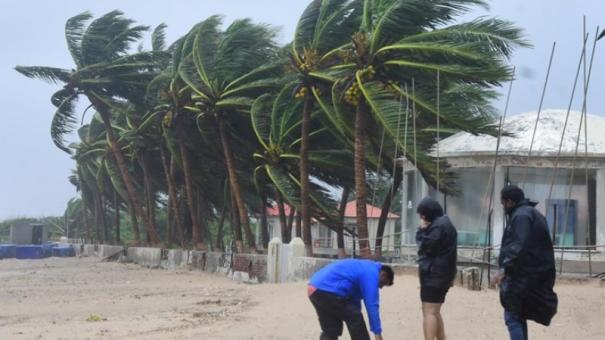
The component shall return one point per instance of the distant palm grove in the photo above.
(182, 144)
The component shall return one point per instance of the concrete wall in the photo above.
(250, 268)
(148, 257)
(97, 250)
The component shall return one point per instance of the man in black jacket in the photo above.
(437, 246)
(527, 265)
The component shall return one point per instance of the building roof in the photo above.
(273, 211)
(372, 211)
(547, 140)
(350, 211)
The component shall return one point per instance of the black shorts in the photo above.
(433, 294)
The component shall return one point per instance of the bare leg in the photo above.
(432, 322)
(440, 329)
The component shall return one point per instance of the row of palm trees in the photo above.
(224, 121)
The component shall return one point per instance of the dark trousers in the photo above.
(332, 311)
(517, 327)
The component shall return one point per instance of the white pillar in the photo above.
(498, 212)
(600, 207)
(274, 260)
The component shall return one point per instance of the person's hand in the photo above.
(497, 278)
(377, 337)
(423, 224)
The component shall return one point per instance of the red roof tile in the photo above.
(350, 211)
(372, 211)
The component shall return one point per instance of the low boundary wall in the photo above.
(249, 268)
(283, 263)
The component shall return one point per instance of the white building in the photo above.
(570, 186)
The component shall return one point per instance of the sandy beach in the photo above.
(87, 299)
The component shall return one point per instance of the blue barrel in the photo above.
(47, 249)
(64, 251)
(7, 251)
(29, 251)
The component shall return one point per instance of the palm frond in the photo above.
(205, 44)
(492, 35)
(390, 19)
(115, 178)
(189, 74)
(109, 37)
(51, 75)
(244, 47)
(325, 24)
(74, 29)
(234, 103)
(158, 38)
(260, 114)
(64, 120)
(267, 71)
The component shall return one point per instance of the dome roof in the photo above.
(546, 143)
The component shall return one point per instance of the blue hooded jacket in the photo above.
(356, 280)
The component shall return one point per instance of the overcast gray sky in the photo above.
(33, 172)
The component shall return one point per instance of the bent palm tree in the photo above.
(104, 73)
(398, 47)
(323, 27)
(227, 70)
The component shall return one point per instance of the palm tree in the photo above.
(227, 70)
(105, 73)
(275, 122)
(323, 27)
(403, 43)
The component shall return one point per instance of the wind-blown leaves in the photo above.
(74, 30)
(51, 75)
(64, 120)
(158, 38)
(109, 37)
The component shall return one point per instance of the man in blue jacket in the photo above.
(336, 292)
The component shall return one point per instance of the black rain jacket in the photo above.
(437, 250)
(527, 258)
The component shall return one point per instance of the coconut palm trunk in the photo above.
(291, 216)
(173, 204)
(234, 183)
(104, 220)
(264, 224)
(360, 180)
(148, 192)
(282, 219)
(386, 207)
(86, 221)
(126, 178)
(97, 219)
(220, 246)
(196, 230)
(202, 211)
(304, 173)
(340, 238)
(236, 227)
(298, 224)
(116, 203)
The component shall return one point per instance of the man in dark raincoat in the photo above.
(527, 265)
